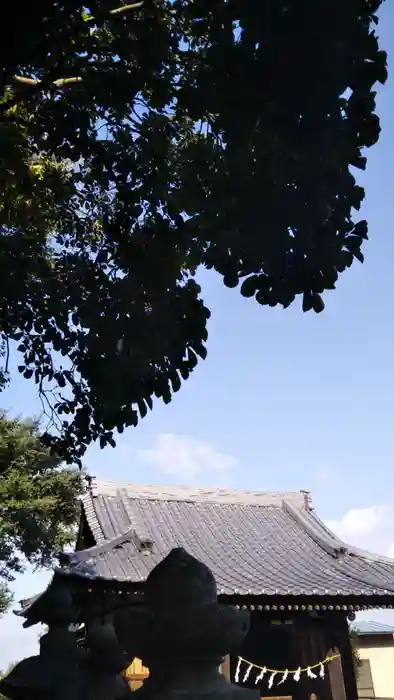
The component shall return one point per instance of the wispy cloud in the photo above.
(187, 457)
(370, 528)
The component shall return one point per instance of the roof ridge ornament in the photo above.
(307, 499)
(90, 482)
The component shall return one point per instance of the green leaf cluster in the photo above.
(39, 506)
(354, 644)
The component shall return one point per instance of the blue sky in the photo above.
(284, 401)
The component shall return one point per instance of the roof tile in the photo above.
(251, 541)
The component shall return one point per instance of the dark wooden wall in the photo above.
(289, 641)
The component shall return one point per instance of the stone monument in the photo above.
(186, 634)
(181, 634)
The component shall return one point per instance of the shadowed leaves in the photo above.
(219, 134)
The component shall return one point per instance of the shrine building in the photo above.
(269, 553)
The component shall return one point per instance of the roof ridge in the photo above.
(216, 495)
(89, 509)
(333, 545)
(315, 528)
(326, 533)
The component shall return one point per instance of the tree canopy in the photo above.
(38, 501)
(354, 643)
(139, 142)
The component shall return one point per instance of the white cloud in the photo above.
(187, 457)
(359, 522)
(368, 528)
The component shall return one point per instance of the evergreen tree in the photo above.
(38, 501)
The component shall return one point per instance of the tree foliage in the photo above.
(354, 643)
(142, 141)
(38, 500)
(5, 598)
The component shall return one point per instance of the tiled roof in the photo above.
(366, 627)
(255, 543)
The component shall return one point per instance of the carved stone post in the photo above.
(185, 634)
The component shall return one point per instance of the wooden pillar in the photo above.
(340, 639)
(319, 645)
(305, 658)
(300, 634)
(349, 673)
(335, 674)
